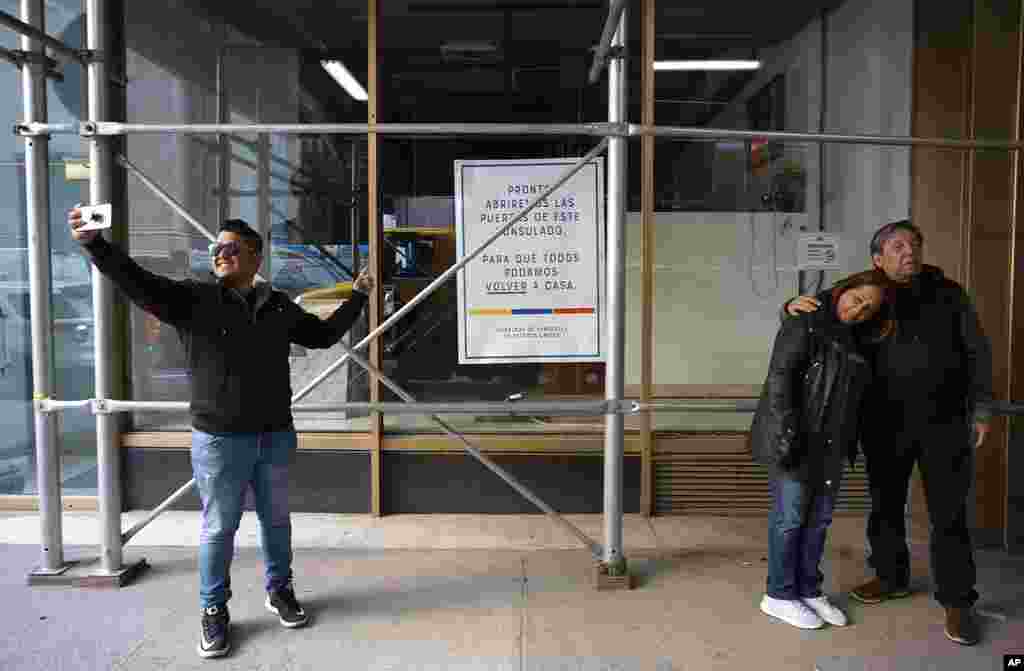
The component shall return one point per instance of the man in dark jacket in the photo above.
(930, 405)
(237, 334)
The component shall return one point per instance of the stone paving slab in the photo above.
(694, 608)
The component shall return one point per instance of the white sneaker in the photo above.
(827, 611)
(793, 612)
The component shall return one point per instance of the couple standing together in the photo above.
(893, 359)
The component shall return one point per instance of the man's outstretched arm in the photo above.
(167, 300)
(311, 331)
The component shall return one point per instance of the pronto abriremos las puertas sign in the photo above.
(536, 293)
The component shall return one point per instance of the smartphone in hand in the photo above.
(96, 217)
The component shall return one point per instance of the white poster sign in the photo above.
(536, 293)
(818, 251)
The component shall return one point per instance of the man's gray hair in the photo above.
(887, 231)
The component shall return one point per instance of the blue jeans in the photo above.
(797, 528)
(224, 466)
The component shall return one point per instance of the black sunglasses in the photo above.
(226, 249)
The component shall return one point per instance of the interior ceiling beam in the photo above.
(474, 7)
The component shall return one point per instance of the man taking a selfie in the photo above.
(237, 334)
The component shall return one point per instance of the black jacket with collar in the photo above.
(237, 349)
(936, 369)
(806, 422)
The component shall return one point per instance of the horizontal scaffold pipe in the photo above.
(692, 133)
(454, 129)
(699, 405)
(540, 407)
(498, 408)
(562, 407)
(89, 128)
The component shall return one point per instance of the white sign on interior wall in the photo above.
(535, 294)
(818, 251)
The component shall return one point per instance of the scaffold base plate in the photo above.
(603, 581)
(88, 573)
(47, 572)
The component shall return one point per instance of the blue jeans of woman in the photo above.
(224, 466)
(797, 529)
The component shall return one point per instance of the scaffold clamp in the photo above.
(86, 56)
(31, 129)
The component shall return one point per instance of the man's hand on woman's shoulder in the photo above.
(802, 304)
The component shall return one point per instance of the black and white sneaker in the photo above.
(215, 633)
(282, 602)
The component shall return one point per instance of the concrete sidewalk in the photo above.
(487, 592)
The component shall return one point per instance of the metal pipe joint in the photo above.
(31, 129)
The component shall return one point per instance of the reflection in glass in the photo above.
(71, 298)
(306, 193)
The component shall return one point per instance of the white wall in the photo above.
(869, 45)
(869, 92)
(716, 294)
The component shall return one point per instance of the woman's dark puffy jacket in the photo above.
(807, 419)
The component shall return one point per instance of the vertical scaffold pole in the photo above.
(37, 181)
(101, 161)
(614, 560)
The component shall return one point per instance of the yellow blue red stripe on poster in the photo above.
(504, 312)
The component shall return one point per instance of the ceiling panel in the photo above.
(499, 44)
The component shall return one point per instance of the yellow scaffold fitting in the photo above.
(340, 291)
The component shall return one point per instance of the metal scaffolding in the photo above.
(615, 276)
(37, 184)
(98, 132)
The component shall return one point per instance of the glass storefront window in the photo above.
(71, 297)
(305, 194)
(729, 213)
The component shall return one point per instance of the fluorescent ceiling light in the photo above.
(345, 79)
(707, 65)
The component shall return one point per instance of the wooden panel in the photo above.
(967, 72)
(942, 79)
(508, 444)
(492, 443)
(647, 255)
(990, 257)
(177, 440)
(70, 504)
(709, 474)
(376, 245)
(995, 108)
(1014, 535)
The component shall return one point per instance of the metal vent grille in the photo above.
(705, 474)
